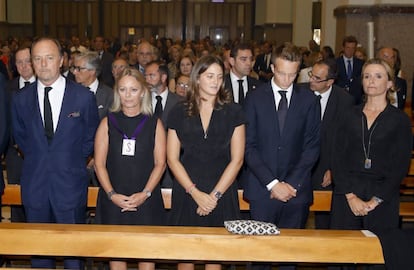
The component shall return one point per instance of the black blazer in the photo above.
(261, 65)
(106, 72)
(354, 86)
(252, 84)
(339, 102)
(104, 99)
(401, 87)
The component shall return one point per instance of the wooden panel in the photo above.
(190, 243)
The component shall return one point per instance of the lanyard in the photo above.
(137, 129)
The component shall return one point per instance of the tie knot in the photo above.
(240, 81)
(159, 98)
(26, 83)
(282, 93)
(47, 89)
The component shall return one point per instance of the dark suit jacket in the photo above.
(339, 102)
(252, 84)
(355, 84)
(172, 100)
(401, 86)
(106, 72)
(288, 157)
(55, 173)
(261, 65)
(104, 99)
(13, 160)
(4, 125)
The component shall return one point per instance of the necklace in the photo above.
(367, 161)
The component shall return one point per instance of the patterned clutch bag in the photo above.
(251, 227)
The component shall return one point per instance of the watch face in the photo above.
(218, 195)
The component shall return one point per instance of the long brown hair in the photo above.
(193, 95)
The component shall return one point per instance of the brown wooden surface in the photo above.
(188, 243)
(322, 200)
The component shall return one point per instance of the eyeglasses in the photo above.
(183, 85)
(77, 68)
(316, 78)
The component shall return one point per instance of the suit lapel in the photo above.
(35, 110)
(69, 98)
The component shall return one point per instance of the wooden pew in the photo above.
(322, 200)
(12, 196)
(188, 243)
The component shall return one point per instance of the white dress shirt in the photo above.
(235, 85)
(55, 98)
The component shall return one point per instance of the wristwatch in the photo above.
(218, 194)
(110, 194)
(147, 192)
(377, 200)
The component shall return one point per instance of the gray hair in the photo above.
(93, 62)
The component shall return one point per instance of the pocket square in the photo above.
(100, 107)
(74, 114)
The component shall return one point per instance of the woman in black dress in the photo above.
(130, 158)
(205, 150)
(373, 156)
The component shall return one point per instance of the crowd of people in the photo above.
(203, 121)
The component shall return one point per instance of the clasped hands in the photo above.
(283, 192)
(129, 203)
(206, 202)
(360, 207)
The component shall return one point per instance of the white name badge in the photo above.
(128, 147)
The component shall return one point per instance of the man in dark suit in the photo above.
(282, 145)
(163, 100)
(349, 69)
(263, 61)
(334, 103)
(238, 80)
(388, 55)
(54, 122)
(106, 58)
(13, 157)
(86, 68)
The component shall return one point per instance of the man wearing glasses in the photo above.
(334, 102)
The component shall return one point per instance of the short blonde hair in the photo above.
(146, 106)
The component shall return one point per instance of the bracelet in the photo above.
(110, 194)
(190, 189)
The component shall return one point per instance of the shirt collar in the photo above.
(93, 87)
(233, 77)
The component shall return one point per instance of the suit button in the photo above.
(279, 148)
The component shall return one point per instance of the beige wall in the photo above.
(19, 11)
(3, 10)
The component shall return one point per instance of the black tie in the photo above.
(26, 83)
(241, 92)
(158, 107)
(320, 105)
(282, 110)
(48, 115)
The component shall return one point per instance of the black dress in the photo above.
(388, 143)
(205, 155)
(129, 174)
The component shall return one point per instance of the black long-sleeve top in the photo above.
(389, 151)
